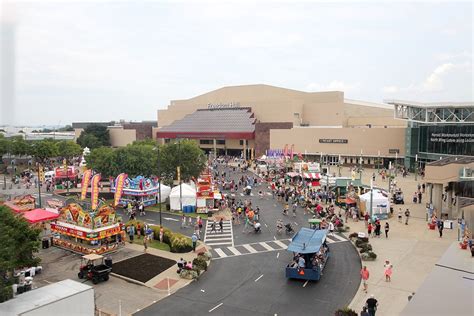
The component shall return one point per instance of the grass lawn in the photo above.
(153, 244)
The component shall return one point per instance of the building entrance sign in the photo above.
(332, 141)
(231, 105)
(451, 138)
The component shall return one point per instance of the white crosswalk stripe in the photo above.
(264, 246)
(218, 238)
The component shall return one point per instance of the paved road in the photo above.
(256, 285)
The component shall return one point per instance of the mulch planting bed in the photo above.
(143, 267)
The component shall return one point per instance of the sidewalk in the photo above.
(412, 249)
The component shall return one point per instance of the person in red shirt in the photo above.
(364, 273)
(369, 229)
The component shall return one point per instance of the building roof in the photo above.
(432, 104)
(451, 279)
(212, 123)
(45, 295)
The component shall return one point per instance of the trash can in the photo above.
(108, 261)
(45, 244)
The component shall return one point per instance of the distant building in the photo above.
(253, 119)
(121, 133)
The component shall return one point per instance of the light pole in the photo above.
(159, 182)
(327, 173)
(40, 175)
(416, 167)
(179, 178)
(339, 162)
(371, 198)
(378, 162)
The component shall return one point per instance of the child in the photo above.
(388, 271)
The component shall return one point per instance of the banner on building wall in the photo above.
(95, 191)
(119, 182)
(86, 178)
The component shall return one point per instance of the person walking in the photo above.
(387, 228)
(440, 228)
(364, 311)
(407, 216)
(372, 305)
(131, 233)
(145, 243)
(419, 196)
(162, 232)
(183, 221)
(221, 225)
(369, 230)
(295, 205)
(400, 215)
(213, 227)
(199, 222)
(388, 271)
(364, 273)
(194, 239)
(139, 230)
(196, 231)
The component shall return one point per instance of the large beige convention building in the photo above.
(255, 119)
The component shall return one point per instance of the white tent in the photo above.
(381, 202)
(188, 195)
(165, 192)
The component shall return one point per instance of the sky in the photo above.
(111, 60)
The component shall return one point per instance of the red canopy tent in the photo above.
(313, 177)
(39, 215)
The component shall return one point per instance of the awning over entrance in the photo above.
(311, 175)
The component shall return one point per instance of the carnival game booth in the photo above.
(85, 231)
(141, 189)
(187, 194)
(310, 244)
(381, 204)
(62, 177)
(21, 204)
(311, 178)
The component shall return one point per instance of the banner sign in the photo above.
(95, 191)
(119, 183)
(86, 178)
(83, 235)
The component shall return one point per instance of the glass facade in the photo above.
(447, 139)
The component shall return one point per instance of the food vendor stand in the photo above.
(208, 197)
(40, 215)
(21, 203)
(142, 189)
(61, 177)
(311, 245)
(84, 231)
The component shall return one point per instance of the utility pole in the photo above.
(371, 198)
(179, 178)
(40, 176)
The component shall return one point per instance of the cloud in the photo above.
(391, 89)
(435, 81)
(334, 85)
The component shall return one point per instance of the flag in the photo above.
(119, 187)
(285, 151)
(86, 178)
(95, 191)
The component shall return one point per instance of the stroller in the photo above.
(256, 227)
(289, 229)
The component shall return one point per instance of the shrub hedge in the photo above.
(178, 243)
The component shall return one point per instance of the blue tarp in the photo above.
(307, 240)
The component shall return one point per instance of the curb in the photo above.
(360, 260)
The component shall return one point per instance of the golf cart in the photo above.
(96, 272)
(398, 198)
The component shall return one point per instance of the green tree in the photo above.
(137, 160)
(19, 146)
(69, 149)
(103, 160)
(19, 242)
(100, 133)
(45, 149)
(4, 146)
(67, 128)
(186, 154)
(147, 141)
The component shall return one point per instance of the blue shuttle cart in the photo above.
(311, 245)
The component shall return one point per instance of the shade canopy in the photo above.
(40, 215)
(307, 240)
(187, 194)
(311, 175)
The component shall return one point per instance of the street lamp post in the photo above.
(371, 198)
(40, 171)
(416, 167)
(339, 166)
(378, 162)
(179, 178)
(159, 183)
